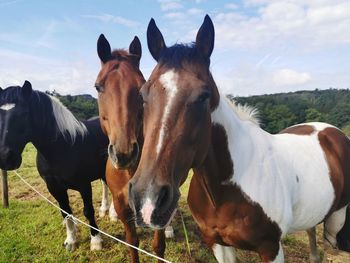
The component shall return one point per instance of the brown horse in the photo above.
(121, 110)
(249, 188)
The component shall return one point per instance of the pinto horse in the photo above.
(249, 188)
(71, 154)
(121, 111)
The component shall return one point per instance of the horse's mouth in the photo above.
(158, 220)
(122, 166)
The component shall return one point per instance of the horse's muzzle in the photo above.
(9, 160)
(154, 206)
(121, 160)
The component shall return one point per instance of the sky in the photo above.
(261, 46)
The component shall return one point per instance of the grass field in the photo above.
(31, 230)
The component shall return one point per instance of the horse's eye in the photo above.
(99, 88)
(203, 97)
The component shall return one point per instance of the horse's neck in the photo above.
(246, 141)
(45, 137)
(235, 144)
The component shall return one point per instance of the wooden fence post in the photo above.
(5, 190)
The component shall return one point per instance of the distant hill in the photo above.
(278, 111)
(83, 106)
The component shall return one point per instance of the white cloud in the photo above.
(305, 24)
(107, 18)
(232, 6)
(289, 77)
(167, 5)
(66, 77)
(175, 15)
(46, 38)
(194, 11)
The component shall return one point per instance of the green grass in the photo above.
(31, 230)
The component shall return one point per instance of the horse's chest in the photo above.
(234, 221)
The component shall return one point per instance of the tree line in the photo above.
(277, 111)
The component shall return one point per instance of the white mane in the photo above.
(66, 122)
(245, 112)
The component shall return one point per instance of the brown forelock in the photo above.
(120, 102)
(303, 129)
(336, 147)
(225, 215)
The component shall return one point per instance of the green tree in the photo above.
(346, 129)
(279, 117)
(312, 114)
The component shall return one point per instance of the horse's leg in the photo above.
(60, 194)
(343, 236)
(89, 213)
(333, 225)
(158, 243)
(169, 232)
(113, 216)
(126, 216)
(314, 255)
(224, 254)
(104, 204)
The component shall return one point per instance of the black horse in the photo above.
(71, 154)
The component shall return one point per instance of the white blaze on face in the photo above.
(7, 106)
(169, 81)
(147, 210)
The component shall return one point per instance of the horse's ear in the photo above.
(103, 49)
(26, 90)
(205, 37)
(135, 48)
(155, 40)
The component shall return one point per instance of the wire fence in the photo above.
(75, 219)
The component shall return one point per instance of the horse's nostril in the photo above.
(164, 197)
(110, 150)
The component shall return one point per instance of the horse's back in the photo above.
(319, 158)
(78, 162)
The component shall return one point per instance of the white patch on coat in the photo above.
(66, 122)
(224, 254)
(7, 106)
(113, 216)
(104, 203)
(169, 82)
(72, 240)
(147, 210)
(96, 242)
(286, 174)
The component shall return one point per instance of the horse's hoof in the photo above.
(102, 213)
(113, 216)
(169, 232)
(70, 245)
(96, 243)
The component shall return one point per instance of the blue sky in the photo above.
(261, 46)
